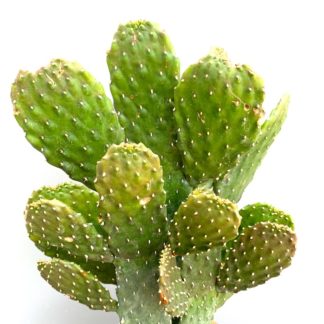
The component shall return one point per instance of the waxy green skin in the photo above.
(203, 221)
(158, 176)
(66, 115)
(144, 72)
(130, 184)
(217, 109)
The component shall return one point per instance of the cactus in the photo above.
(153, 209)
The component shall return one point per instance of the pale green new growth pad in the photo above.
(259, 253)
(67, 116)
(173, 290)
(70, 279)
(51, 223)
(204, 220)
(144, 72)
(235, 182)
(130, 184)
(218, 107)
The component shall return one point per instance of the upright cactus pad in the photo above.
(203, 221)
(130, 185)
(144, 72)
(155, 213)
(218, 106)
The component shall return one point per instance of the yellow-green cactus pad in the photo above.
(202, 221)
(78, 196)
(70, 279)
(259, 253)
(217, 109)
(130, 184)
(67, 116)
(53, 224)
(84, 201)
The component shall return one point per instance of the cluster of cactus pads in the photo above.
(152, 208)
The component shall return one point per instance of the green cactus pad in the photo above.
(130, 184)
(76, 195)
(51, 223)
(204, 220)
(200, 270)
(218, 106)
(173, 289)
(235, 182)
(71, 280)
(257, 213)
(67, 116)
(84, 201)
(202, 309)
(137, 291)
(259, 253)
(144, 71)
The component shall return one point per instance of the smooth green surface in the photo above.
(70, 279)
(217, 109)
(235, 182)
(173, 290)
(67, 116)
(203, 221)
(130, 184)
(144, 71)
(138, 292)
(259, 253)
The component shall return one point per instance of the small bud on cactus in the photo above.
(159, 173)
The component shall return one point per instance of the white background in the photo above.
(282, 41)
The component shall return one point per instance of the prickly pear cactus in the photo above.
(158, 174)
